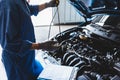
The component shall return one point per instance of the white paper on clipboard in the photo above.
(57, 72)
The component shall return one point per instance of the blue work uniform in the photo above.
(16, 38)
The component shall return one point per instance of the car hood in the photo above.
(87, 8)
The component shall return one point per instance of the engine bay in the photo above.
(93, 48)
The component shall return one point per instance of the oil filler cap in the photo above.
(83, 37)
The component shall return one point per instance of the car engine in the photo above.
(93, 48)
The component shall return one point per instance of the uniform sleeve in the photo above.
(34, 9)
(13, 40)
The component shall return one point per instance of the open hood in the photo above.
(87, 8)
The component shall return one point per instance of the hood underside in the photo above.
(87, 8)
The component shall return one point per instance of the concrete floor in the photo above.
(41, 33)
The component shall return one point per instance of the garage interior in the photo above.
(88, 51)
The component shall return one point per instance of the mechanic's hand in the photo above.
(52, 3)
(49, 45)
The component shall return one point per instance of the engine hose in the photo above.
(66, 55)
(74, 61)
(80, 63)
(69, 59)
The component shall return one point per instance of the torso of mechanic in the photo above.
(16, 38)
